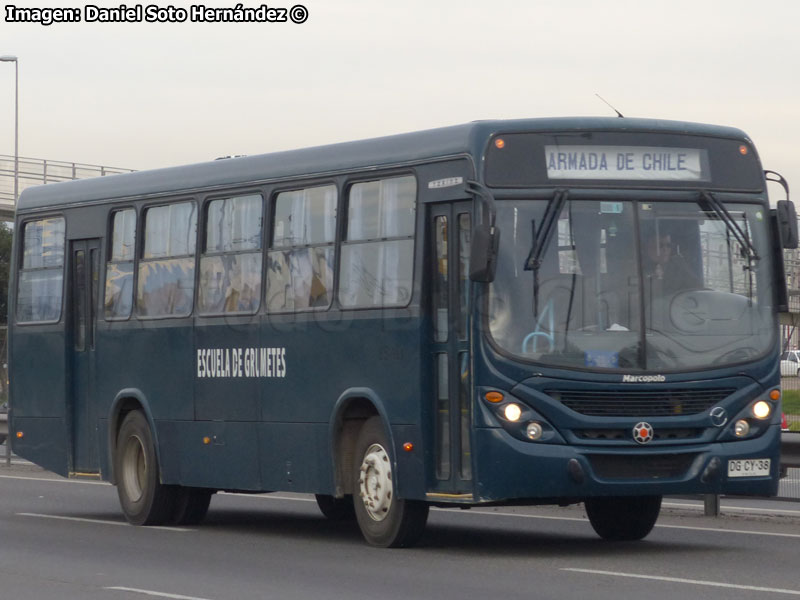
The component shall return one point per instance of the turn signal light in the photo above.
(20, 435)
(408, 446)
(494, 397)
(775, 395)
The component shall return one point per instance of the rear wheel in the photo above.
(191, 505)
(336, 509)
(624, 518)
(144, 499)
(385, 520)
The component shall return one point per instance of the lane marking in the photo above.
(97, 521)
(742, 531)
(153, 593)
(585, 520)
(265, 496)
(751, 588)
(726, 508)
(451, 510)
(54, 480)
(473, 511)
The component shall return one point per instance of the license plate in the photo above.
(749, 467)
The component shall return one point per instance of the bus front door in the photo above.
(450, 233)
(84, 284)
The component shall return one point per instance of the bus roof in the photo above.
(469, 138)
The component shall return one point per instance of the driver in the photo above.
(667, 268)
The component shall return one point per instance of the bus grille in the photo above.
(661, 466)
(662, 433)
(657, 403)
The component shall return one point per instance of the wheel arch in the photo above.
(352, 409)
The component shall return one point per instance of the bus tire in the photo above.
(336, 509)
(625, 518)
(385, 520)
(144, 499)
(191, 505)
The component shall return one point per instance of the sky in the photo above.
(146, 95)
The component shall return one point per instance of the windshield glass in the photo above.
(632, 285)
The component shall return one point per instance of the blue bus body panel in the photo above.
(42, 387)
(276, 430)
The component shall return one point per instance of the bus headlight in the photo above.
(762, 409)
(742, 428)
(534, 431)
(512, 412)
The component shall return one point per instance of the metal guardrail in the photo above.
(38, 171)
(790, 448)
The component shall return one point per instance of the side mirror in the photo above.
(787, 223)
(483, 253)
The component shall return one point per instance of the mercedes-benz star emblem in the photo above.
(642, 432)
(718, 416)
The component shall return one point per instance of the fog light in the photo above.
(534, 431)
(761, 409)
(742, 428)
(512, 412)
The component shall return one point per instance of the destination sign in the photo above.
(639, 163)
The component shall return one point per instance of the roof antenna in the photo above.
(619, 114)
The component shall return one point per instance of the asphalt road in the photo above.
(65, 540)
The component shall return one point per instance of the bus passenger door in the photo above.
(84, 290)
(450, 227)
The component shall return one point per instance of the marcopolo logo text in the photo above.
(643, 379)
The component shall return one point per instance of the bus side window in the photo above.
(166, 270)
(119, 268)
(300, 261)
(230, 267)
(377, 263)
(42, 271)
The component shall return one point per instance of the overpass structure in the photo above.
(39, 171)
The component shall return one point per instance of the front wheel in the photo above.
(336, 509)
(385, 520)
(623, 518)
(144, 499)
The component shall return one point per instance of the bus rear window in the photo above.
(41, 275)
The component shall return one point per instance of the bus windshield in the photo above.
(632, 285)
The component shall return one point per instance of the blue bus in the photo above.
(541, 311)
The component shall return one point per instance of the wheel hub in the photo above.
(134, 468)
(375, 482)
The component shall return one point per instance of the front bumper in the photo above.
(510, 470)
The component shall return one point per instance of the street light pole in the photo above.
(16, 122)
(13, 59)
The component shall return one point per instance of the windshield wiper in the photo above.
(541, 238)
(748, 250)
